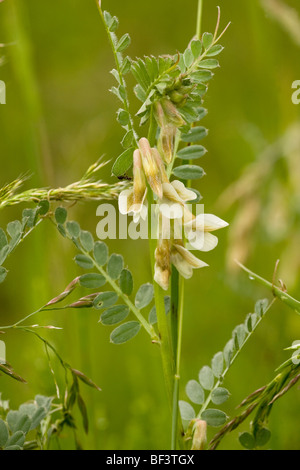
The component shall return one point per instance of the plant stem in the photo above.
(165, 340)
(277, 292)
(177, 306)
(175, 417)
(199, 18)
(118, 65)
(174, 308)
(162, 321)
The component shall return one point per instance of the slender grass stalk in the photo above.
(199, 19)
(277, 292)
(37, 145)
(88, 188)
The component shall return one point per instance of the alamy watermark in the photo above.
(296, 94)
(174, 222)
(2, 92)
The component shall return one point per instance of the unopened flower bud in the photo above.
(151, 169)
(177, 98)
(159, 114)
(161, 166)
(199, 439)
(139, 180)
(172, 114)
(81, 304)
(132, 200)
(65, 293)
(166, 142)
(162, 264)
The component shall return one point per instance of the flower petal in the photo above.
(170, 193)
(208, 222)
(125, 201)
(171, 209)
(184, 193)
(161, 277)
(202, 241)
(182, 266)
(192, 260)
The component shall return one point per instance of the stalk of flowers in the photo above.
(172, 198)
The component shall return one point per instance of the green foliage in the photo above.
(111, 270)
(123, 66)
(191, 153)
(262, 400)
(123, 162)
(195, 392)
(125, 332)
(126, 282)
(211, 377)
(144, 296)
(180, 80)
(189, 172)
(18, 230)
(17, 427)
(114, 315)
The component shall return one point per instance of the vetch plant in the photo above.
(156, 170)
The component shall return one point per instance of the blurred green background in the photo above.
(60, 118)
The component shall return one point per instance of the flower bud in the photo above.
(171, 113)
(199, 439)
(65, 293)
(177, 97)
(132, 200)
(151, 169)
(159, 114)
(161, 166)
(139, 181)
(166, 142)
(162, 269)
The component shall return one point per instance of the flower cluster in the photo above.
(177, 224)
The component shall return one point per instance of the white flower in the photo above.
(184, 261)
(175, 195)
(198, 230)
